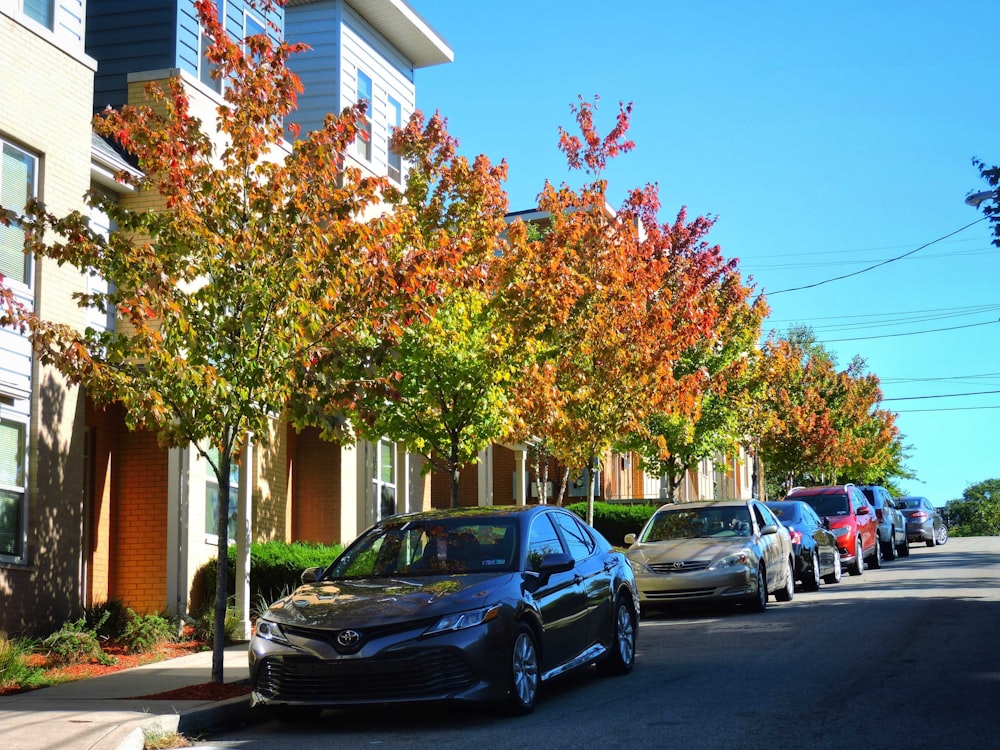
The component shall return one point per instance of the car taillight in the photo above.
(918, 514)
(878, 514)
(795, 535)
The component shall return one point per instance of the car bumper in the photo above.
(704, 585)
(465, 665)
(922, 532)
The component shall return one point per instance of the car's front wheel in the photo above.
(524, 674)
(758, 603)
(810, 582)
(787, 593)
(838, 572)
(875, 561)
(858, 566)
(889, 548)
(621, 654)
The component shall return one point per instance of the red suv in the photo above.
(850, 517)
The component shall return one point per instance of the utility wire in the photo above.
(872, 267)
(909, 333)
(953, 408)
(943, 395)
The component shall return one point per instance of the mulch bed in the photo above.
(208, 691)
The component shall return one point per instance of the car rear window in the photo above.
(828, 505)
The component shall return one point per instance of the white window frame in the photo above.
(363, 146)
(49, 12)
(28, 267)
(18, 488)
(395, 120)
(382, 449)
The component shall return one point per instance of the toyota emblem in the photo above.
(679, 565)
(348, 638)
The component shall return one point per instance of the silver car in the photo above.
(732, 550)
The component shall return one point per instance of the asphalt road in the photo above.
(902, 658)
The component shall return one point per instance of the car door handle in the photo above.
(577, 578)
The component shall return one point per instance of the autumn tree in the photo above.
(674, 442)
(622, 300)
(255, 265)
(991, 207)
(441, 389)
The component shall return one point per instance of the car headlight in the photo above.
(638, 568)
(270, 631)
(462, 620)
(737, 559)
(842, 531)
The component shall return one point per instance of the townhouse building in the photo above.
(90, 510)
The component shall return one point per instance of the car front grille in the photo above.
(681, 566)
(422, 674)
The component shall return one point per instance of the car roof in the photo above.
(706, 504)
(836, 489)
(482, 511)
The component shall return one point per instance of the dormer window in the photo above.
(39, 10)
(363, 145)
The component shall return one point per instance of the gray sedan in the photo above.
(734, 550)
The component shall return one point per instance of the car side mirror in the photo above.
(630, 539)
(311, 575)
(864, 510)
(769, 529)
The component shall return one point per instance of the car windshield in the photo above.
(828, 505)
(438, 546)
(692, 523)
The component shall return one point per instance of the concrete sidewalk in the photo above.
(101, 713)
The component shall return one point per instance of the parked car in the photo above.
(850, 517)
(814, 546)
(891, 523)
(924, 522)
(475, 604)
(733, 550)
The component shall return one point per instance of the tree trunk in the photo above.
(222, 566)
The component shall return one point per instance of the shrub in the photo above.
(204, 627)
(108, 620)
(143, 633)
(615, 520)
(75, 642)
(275, 568)
(14, 668)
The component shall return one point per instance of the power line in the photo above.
(950, 377)
(909, 333)
(953, 408)
(942, 395)
(876, 265)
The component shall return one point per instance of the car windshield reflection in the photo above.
(697, 523)
(432, 547)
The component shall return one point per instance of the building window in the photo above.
(384, 478)
(212, 497)
(206, 67)
(39, 10)
(363, 143)
(18, 183)
(12, 495)
(395, 121)
(252, 26)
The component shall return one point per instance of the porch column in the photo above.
(244, 532)
(520, 474)
(485, 475)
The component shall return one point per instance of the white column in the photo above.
(244, 533)
(352, 494)
(178, 542)
(485, 476)
(520, 474)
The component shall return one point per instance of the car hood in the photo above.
(368, 602)
(689, 549)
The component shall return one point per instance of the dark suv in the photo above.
(851, 518)
(891, 523)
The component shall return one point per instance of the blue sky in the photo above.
(825, 138)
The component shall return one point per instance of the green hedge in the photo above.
(275, 569)
(615, 520)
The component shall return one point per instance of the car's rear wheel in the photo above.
(858, 566)
(621, 654)
(524, 674)
(787, 593)
(811, 581)
(904, 549)
(889, 548)
(838, 572)
(942, 535)
(758, 603)
(875, 561)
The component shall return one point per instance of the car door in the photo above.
(770, 545)
(595, 575)
(866, 519)
(559, 597)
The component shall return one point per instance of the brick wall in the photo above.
(316, 482)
